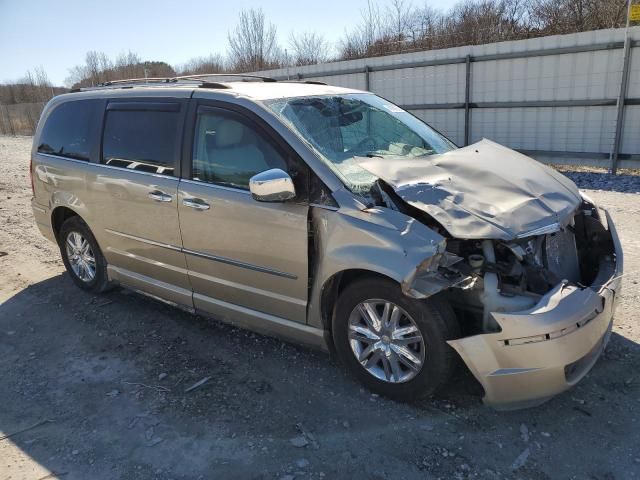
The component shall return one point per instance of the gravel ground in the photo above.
(589, 178)
(94, 386)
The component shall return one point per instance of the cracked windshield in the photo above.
(344, 128)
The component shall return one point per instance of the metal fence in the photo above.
(20, 119)
(554, 98)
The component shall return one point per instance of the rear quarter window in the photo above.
(68, 130)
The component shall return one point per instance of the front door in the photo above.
(246, 259)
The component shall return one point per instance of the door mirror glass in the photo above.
(273, 185)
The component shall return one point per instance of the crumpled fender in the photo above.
(378, 240)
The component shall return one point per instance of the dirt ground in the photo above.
(93, 387)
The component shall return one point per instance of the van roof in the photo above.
(256, 90)
(270, 90)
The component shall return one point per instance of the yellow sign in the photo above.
(634, 16)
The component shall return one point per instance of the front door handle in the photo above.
(196, 203)
(160, 196)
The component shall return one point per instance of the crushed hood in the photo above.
(483, 191)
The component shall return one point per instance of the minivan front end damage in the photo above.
(538, 312)
(531, 267)
(540, 351)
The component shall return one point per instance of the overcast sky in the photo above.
(56, 34)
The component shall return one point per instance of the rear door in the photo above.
(134, 191)
(246, 259)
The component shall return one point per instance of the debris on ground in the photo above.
(198, 384)
(308, 435)
(299, 441)
(521, 459)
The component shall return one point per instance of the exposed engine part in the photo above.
(492, 299)
(513, 276)
(476, 261)
(498, 276)
(561, 255)
(432, 277)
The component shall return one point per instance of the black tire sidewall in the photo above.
(100, 281)
(435, 320)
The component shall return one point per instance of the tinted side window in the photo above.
(143, 140)
(228, 150)
(68, 130)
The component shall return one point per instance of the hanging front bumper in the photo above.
(545, 350)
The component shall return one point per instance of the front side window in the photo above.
(142, 140)
(228, 150)
(343, 128)
(68, 129)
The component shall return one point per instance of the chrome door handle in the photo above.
(159, 196)
(196, 203)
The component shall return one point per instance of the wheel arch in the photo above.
(59, 215)
(336, 284)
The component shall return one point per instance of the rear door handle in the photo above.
(160, 196)
(196, 203)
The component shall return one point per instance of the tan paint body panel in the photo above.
(129, 226)
(130, 240)
(270, 239)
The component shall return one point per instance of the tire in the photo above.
(72, 230)
(433, 318)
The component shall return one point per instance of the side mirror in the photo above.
(273, 185)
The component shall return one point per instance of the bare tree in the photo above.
(31, 88)
(425, 24)
(359, 41)
(253, 43)
(399, 19)
(214, 63)
(308, 48)
(404, 27)
(126, 65)
(99, 68)
(565, 16)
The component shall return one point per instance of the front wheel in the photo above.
(394, 344)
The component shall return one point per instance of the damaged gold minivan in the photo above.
(332, 217)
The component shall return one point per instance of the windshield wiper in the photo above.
(368, 155)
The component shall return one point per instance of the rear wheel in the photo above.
(393, 344)
(82, 256)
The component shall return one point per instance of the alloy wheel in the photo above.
(80, 256)
(386, 341)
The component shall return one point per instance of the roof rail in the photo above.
(233, 75)
(194, 78)
(138, 80)
(202, 80)
(310, 82)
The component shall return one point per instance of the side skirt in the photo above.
(230, 313)
(260, 322)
